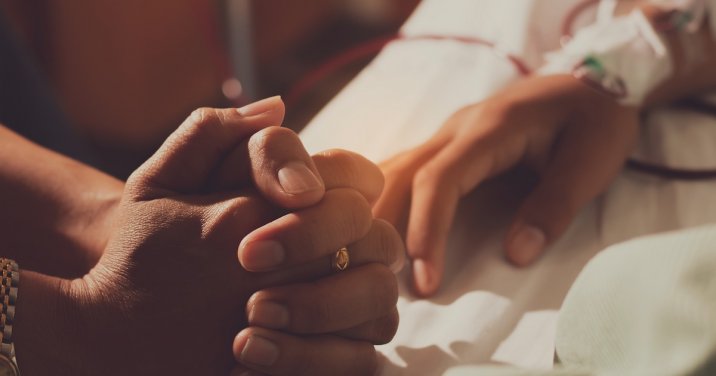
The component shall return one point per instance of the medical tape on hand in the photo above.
(624, 57)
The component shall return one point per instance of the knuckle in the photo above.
(251, 302)
(226, 215)
(384, 329)
(344, 160)
(202, 117)
(386, 287)
(309, 314)
(340, 156)
(356, 170)
(252, 331)
(321, 312)
(268, 295)
(344, 163)
(269, 143)
(355, 210)
(389, 242)
(135, 187)
(365, 361)
(228, 221)
(272, 133)
(429, 176)
(304, 248)
(200, 124)
(265, 138)
(373, 174)
(494, 108)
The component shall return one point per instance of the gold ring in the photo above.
(341, 260)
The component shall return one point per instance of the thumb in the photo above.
(583, 166)
(188, 157)
(282, 169)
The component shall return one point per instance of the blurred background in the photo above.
(126, 73)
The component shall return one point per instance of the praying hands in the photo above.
(168, 294)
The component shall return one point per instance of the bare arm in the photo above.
(54, 211)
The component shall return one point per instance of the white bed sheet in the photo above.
(488, 312)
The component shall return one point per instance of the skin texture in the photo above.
(573, 137)
(46, 193)
(169, 294)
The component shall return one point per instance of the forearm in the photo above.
(54, 210)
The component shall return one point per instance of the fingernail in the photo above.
(296, 178)
(527, 245)
(261, 107)
(262, 254)
(423, 276)
(269, 315)
(259, 351)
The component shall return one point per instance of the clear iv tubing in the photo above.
(372, 47)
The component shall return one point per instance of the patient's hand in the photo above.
(574, 137)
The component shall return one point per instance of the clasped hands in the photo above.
(169, 295)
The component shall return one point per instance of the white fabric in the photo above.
(627, 48)
(641, 307)
(629, 51)
(488, 312)
(645, 307)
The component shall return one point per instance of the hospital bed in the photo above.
(487, 311)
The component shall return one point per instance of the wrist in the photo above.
(584, 98)
(46, 332)
(556, 98)
(94, 226)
